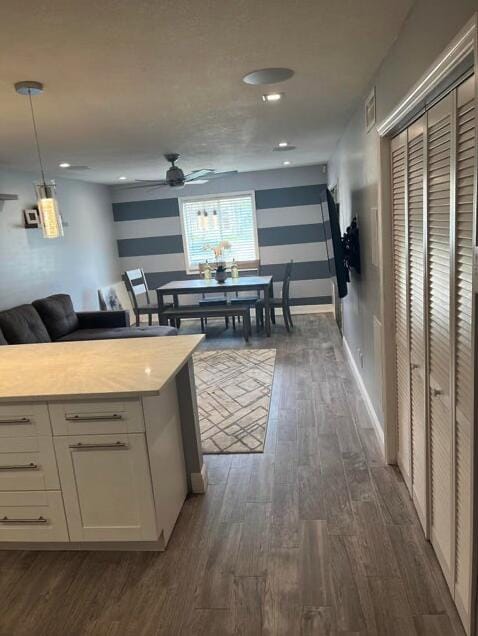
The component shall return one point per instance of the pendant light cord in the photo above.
(35, 132)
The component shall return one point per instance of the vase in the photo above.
(221, 274)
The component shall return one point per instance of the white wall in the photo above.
(429, 27)
(79, 263)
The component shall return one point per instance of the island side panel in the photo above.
(187, 400)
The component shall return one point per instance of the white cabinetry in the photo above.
(92, 471)
(106, 487)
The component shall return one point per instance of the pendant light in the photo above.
(50, 217)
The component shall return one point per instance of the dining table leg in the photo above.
(267, 307)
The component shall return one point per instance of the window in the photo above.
(206, 221)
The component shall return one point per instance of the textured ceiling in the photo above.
(129, 80)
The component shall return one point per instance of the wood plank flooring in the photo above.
(316, 536)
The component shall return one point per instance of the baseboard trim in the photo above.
(309, 309)
(365, 396)
(199, 481)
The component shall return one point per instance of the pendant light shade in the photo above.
(50, 217)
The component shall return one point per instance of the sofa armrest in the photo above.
(102, 319)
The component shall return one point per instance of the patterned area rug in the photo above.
(234, 392)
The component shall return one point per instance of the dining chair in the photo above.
(255, 268)
(137, 287)
(275, 303)
(214, 300)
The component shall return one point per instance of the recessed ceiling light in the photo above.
(283, 144)
(268, 76)
(270, 98)
(65, 165)
(286, 163)
(122, 178)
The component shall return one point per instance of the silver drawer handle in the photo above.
(15, 420)
(20, 467)
(93, 418)
(29, 521)
(81, 446)
(437, 392)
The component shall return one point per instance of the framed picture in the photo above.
(370, 111)
(31, 218)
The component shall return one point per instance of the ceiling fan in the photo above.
(175, 177)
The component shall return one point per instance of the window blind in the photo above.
(234, 221)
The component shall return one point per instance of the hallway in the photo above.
(315, 536)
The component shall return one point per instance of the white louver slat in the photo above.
(465, 177)
(439, 153)
(416, 193)
(400, 261)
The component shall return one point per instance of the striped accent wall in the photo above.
(292, 223)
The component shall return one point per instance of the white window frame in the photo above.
(212, 197)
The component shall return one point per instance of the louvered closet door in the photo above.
(400, 266)
(439, 152)
(465, 175)
(416, 194)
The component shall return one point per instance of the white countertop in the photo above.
(101, 368)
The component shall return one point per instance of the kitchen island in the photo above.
(99, 443)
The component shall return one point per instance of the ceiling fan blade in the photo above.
(153, 181)
(144, 184)
(198, 174)
(217, 175)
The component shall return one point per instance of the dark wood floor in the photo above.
(315, 536)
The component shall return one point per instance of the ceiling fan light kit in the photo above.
(50, 218)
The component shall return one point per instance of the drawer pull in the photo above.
(29, 521)
(93, 418)
(30, 466)
(437, 392)
(81, 446)
(15, 420)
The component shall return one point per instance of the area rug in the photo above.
(234, 391)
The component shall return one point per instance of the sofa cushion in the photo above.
(23, 325)
(118, 332)
(58, 315)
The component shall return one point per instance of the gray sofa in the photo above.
(53, 319)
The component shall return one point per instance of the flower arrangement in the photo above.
(218, 249)
(221, 273)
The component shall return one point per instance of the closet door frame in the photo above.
(454, 57)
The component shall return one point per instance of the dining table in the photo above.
(261, 284)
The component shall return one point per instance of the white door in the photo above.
(416, 200)
(401, 295)
(106, 487)
(464, 364)
(439, 159)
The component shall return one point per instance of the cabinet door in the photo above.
(106, 487)
(439, 156)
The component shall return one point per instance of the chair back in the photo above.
(253, 268)
(136, 284)
(286, 281)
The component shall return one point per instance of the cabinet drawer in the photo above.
(25, 420)
(28, 463)
(106, 486)
(32, 516)
(91, 417)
